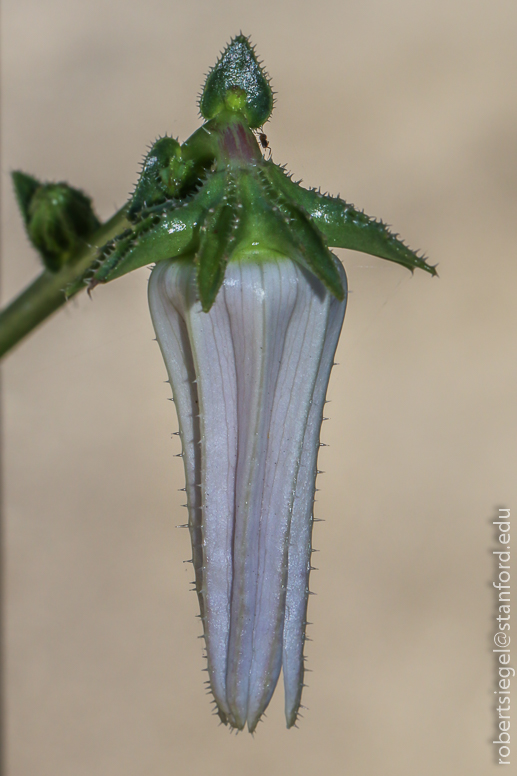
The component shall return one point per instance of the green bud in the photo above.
(165, 174)
(237, 83)
(57, 218)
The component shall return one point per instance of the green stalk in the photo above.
(48, 292)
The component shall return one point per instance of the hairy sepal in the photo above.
(345, 227)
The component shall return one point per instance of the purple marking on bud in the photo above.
(239, 145)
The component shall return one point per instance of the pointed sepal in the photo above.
(214, 252)
(25, 187)
(311, 245)
(165, 231)
(345, 227)
(155, 237)
(308, 243)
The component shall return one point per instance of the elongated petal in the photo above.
(211, 432)
(300, 545)
(256, 358)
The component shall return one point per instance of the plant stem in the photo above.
(47, 293)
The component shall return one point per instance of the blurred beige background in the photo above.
(408, 109)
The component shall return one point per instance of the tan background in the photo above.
(408, 108)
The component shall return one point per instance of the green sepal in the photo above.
(345, 227)
(315, 252)
(58, 218)
(238, 83)
(214, 251)
(156, 236)
(25, 186)
(306, 237)
(167, 231)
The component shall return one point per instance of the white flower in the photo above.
(249, 380)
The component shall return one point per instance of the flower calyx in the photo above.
(216, 199)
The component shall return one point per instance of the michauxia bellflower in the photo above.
(247, 302)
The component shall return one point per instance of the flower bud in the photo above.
(57, 217)
(238, 83)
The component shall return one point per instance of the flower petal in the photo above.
(256, 357)
(300, 546)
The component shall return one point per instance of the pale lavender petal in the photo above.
(244, 377)
(168, 287)
(300, 545)
(213, 410)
